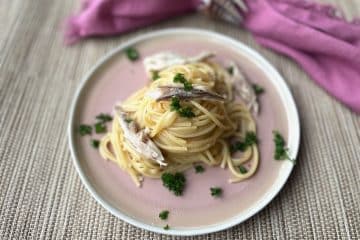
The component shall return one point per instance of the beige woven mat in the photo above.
(41, 196)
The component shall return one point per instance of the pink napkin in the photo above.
(325, 46)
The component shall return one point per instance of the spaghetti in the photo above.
(204, 137)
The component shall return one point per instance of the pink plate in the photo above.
(114, 78)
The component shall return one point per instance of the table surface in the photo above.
(41, 196)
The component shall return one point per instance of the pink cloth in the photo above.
(109, 17)
(325, 46)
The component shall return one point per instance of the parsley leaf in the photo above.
(128, 120)
(180, 78)
(164, 215)
(132, 53)
(258, 89)
(216, 191)
(95, 143)
(100, 127)
(281, 152)
(186, 112)
(174, 182)
(85, 129)
(242, 169)
(250, 139)
(155, 75)
(199, 169)
(175, 104)
(183, 112)
(230, 70)
(103, 117)
(167, 227)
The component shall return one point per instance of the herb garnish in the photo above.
(167, 227)
(258, 89)
(155, 75)
(85, 129)
(242, 169)
(128, 120)
(186, 112)
(250, 139)
(164, 215)
(230, 70)
(180, 78)
(174, 182)
(175, 104)
(95, 143)
(132, 53)
(183, 111)
(100, 127)
(199, 169)
(216, 191)
(103, 117)
(281, 152)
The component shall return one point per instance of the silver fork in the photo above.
(227, 10)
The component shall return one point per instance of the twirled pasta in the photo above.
(185, 141)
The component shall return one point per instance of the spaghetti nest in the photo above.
(183, 141)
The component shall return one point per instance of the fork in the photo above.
(228, 10)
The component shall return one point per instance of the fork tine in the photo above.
(241, 5)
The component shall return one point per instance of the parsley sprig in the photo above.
(180, 78)
(281, 151)
(250, 139)
(103, 117)
(100, 127)
(95, 143)
(199, 169)
(164, 215)
(132, 53)
(258, 89)
(242, 169)
(85, 129)
(216, 191)
(174, 182)
(183, 111)
(155, 75)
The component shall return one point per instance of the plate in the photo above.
(114, 78)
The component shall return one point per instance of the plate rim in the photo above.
(281, 88)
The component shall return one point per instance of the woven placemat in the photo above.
(41, 196)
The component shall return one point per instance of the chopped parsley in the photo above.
(250, 139)
(167, 227)
(155, 75)
(174, 182)
(258, 89)
(199, 169)
(216, 191)
(183, 111)
(128, 120)
(103, 117)
(95, 143)
(175, 104)
(242, 169)
(132, 53)
(100, 127)
(180, 78)
(230, 70)
(186, 112)
(164, 215)
(85, 129)
(281, 152)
